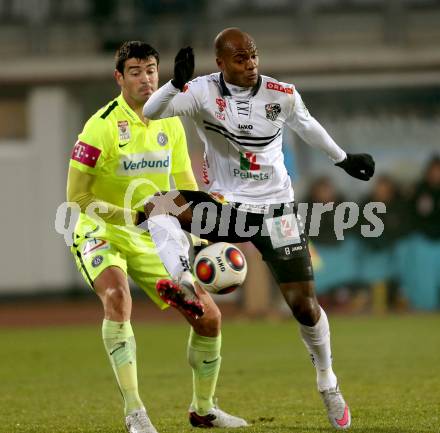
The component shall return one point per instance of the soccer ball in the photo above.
(220, 268)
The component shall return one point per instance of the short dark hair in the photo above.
(134, 49)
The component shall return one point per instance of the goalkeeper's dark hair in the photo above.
(134, 49)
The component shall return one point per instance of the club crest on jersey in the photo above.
(97, 260)
(124, 130)
(162, 139)
(272, 111)
(221, 104)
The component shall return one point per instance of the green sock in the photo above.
(120, 346)
(204, 358)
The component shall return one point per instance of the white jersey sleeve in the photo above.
(168, 101)
(311, 131)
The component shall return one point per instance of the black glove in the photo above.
(358, 165)
(183, 67)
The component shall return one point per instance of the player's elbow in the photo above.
(72, 195)
(306, 126)
(81, 198)
(81, 201)
(309, 130)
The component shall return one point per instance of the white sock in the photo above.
(172, 245)
(317, 340)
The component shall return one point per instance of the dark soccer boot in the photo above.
(181, 296)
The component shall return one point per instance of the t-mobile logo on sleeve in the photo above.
(86, 154)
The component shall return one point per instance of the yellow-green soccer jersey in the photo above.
(131, 162)
(117, 147)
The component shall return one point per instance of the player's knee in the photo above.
(215, 319)
(303, 304)
(210, 323)
(306, 310)
(117, 300)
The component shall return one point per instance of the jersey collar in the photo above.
(225, 91)
(128, 110)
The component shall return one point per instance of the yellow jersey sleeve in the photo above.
(94, 145)
(180, 158)
(185, 180)
(79, 190)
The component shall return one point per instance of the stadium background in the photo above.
(368, 70)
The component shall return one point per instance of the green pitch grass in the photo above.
(59, 381)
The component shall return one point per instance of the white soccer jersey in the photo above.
(242, 133)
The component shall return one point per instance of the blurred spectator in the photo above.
(426, 202)
(420, 263)
(322, 191)
(337, 259)
(396, 218)
(377, 259)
